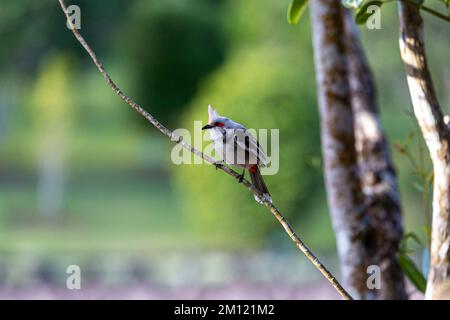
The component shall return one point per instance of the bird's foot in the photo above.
(241, 176)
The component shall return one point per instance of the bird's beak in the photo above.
(208, 126)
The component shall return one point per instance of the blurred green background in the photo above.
(84, 180)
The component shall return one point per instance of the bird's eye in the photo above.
(218, 124)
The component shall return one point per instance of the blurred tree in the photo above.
(27, 29)
(257, 88)
(53, 114)
(245, 29)
(171, 45)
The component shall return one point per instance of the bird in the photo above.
(236, 146)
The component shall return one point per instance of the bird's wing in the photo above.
(262, 155)
(243, 139)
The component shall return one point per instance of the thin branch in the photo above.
(428, 9)
(435, 13)
(168, 133)
(424, 8)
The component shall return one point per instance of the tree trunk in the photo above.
(436, 135)
(344, 194)
(361, 184)
(377, 175)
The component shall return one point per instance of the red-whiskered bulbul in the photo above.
(238, 147)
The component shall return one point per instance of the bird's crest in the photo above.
(212, 114)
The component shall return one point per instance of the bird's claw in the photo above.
(240, 177)
(218, 164)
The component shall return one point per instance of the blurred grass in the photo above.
(117, 212)
(97, 214)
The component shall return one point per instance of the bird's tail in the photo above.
(259, 184)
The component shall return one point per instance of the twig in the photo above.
(168, 133)
(428, 9)
(424, 8)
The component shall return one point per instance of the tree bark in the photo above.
(361, 183)
(345, 199)
(437, 138)
(378, 179)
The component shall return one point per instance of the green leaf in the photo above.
(295, 11)
(362, 15)
(412, 272)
